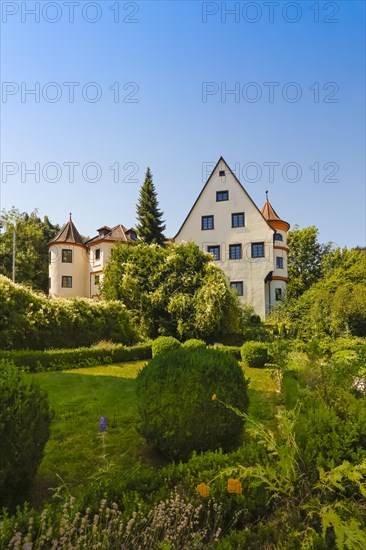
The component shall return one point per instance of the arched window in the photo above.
(278, 237)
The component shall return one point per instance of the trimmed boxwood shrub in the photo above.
(255, 354)
(59, 359)
(164, 344)
(178, 415)
(25, 420)
(194, 343)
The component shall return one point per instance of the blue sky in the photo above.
(296, 72)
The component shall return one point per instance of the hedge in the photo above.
(59, 359)
(30, 320)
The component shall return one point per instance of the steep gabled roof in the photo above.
(221, 159)
(68, 234)
(117, 233)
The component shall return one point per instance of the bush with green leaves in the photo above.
(30, 320)
(194, 343)
(25, 420)
(178, 414)
(255, 354)
(164, 344)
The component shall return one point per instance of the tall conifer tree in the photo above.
(150, 225)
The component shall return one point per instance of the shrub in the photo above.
(30, 320)
(24, 430)
(59, 359)
(164, 344)
(255, 354)
(230, 350)
(194, 343)
(178, 415)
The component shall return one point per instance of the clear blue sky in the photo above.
(160, 55)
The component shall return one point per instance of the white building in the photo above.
(249, 244)
(76, 268)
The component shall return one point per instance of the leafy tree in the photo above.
(32, 236)
(306, 255)
(173, 291)
(150, 225)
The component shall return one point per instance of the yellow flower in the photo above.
(234, 486)
(203, 489)
(214, 397)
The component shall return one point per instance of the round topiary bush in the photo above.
(25, 420)
(164, 344)
(194, 343)
(255, 354)
(178, 414)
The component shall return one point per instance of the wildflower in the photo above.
(214, 397)
(103, 424)
(203, 489)
(234, 486)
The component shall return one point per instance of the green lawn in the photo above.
(80, 397)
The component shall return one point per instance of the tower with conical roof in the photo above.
(68, 260)
(278, 279)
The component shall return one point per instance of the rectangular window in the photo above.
(279, 262)
(207, 222)
(215, 251)
(66, 256)
(278, 294)
(222, 173)
(235, 251)
(66, 281)
(238, 285)
(97, 254)
(49, 257)
(49, 282)
(222, 196)
(257, 250)
(96, 279)
(237, 220)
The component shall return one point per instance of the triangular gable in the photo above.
(221, 159)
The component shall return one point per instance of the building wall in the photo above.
(78, 269)
(252, 271)
(97, 266)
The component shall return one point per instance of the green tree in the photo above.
(150, 226)
(32, 235)
(306, 256)
(173, 291)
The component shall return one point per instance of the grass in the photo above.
(263, 396)
(75, 450)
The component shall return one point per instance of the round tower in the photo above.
(68, 263)
(279, 278)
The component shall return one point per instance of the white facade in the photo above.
(76, 269)
(225, 221)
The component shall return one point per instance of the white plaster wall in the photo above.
(252, 271)
(78, 270)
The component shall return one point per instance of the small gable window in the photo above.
(222, 196)
(215, 251)
(278, 294)
(207, 222)
(237, 220)
(238, 286)
(66, 282)
(222, 173)
(66, 256)
(257, 250)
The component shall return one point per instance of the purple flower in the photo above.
(103, 424)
